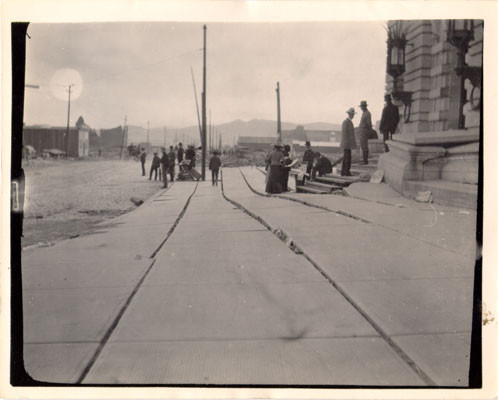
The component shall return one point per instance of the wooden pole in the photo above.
(68, 113)
(196, 104)
(279, 128)
(122, 138)
(203, 170)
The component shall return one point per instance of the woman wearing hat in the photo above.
(348, 142)
(275, 160)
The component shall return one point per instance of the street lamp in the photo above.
(459, 34)
(396, 46)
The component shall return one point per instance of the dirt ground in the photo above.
(65, 198)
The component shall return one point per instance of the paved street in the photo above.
(200, 286)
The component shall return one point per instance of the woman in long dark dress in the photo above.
(285, 168)
(276, 157)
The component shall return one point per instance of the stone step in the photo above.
(322, 186)
(310, 190)
(447, 193)
(338, 179)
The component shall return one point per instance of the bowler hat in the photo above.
(308, 143)
(351, 111)
(387, 96)
(363, 103)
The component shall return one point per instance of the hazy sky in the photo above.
(142, 70)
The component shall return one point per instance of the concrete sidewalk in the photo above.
(410, 268)
(221, 300)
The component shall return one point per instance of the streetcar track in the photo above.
(383, 334)
(117, 319)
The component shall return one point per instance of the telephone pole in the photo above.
(279, 128)
(122, 137)
(203, 144)
(68, 113)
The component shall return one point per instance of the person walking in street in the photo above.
(365, 128)
(348, 142)
(214, 166)
(179, 154)
(171, 163)
(322, 165)
(308, 157)
(285, 168)
(143, 156)
(275, 160)
(156, 162)
(164, 167)
(389, 121)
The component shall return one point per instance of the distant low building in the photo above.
(313, 135)
(256, 142)
(44, 138)
(114, 138)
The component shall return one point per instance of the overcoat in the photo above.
(390, 118)
(348, 141)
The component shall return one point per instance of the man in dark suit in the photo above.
(322, 166)
(143, 156)
(348, 142)
(389, 120)
(365, 128)
(308, 157)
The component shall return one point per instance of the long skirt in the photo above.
(274, 184)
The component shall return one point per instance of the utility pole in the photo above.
(203, 170)
(279, 128)
(68, 113)
(122, 137)
(210, 133)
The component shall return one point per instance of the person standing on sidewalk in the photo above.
(143, 156)
(171, 163)
(214, 166)
(164, 167)
(348, 142)
(154, 167)
(275, 160)
(389, 120)
(179, 154)
(365, 128)
(286, 169)
(308, 157)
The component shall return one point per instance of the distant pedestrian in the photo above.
(189, 156)
(214, 166)
(179, 153)
(308, 157)
(365, 128)
(100, 152)
(322, 165)
(171, 163)
(156, 162)
(348, 142)
(276, 158)
(389, 120)
(164, 167)
(143, 156)
(285, 168)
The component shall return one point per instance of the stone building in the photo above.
(434, 74)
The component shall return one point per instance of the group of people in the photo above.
(277, 169)
(388, 124)
(166, 163)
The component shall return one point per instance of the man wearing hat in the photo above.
(348, 142)
(308, 157)
(365, 128)
(389, 120)
(214, 166)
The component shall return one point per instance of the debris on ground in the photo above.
(377, 176)
(136, 201)
(424, 197)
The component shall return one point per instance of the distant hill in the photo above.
(229, 131)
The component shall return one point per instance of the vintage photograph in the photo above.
(232, 204)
